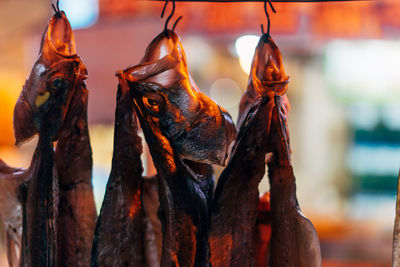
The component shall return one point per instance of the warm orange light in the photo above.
(10, 86)
(136, 205)
(357, 19)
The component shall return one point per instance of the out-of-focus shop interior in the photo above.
(343, 60)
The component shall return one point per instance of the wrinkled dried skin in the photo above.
(77, 211)
(11, 210)
(234, 208)
(182, 113)
(235, 204)
(294, 241)
(120, 232)
(39, 209)
(267, 78)
(42, 104)
(181, 126)
(153, 232)
(237, 189)
(42, 108)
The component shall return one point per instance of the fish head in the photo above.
(268, 68)
(267, 77)
(163, 91)
(43, 102)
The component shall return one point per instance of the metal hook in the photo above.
(56, 8)
(176, 23)
(266, 13)
(169, 17)
(163, 10)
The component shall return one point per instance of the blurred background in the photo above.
(343, 60)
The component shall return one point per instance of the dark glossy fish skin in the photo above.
(39, 208)
(234, 210)
(294, 241)
(262, 129)
(184, 113)
(120, 232)
(43, 102)
(42, 108)
(141, 230)
(153, 232)
(181, 126)
(76, 210)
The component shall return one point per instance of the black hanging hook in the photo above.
(169, 17)
(163, 10)
(176, 23)
(266, 13)
(56, 8)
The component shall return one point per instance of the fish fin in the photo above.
(149, 69)
(24, 124)
(309, 251)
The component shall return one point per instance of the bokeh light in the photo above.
(245, 46)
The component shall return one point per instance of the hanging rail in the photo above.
(248, 1)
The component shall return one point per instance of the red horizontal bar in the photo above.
(245, 1)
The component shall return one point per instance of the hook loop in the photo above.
(169, 17)
(176, 23)
(163, 10)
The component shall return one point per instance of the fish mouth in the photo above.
(267, 72)
(59, 36)
(280, 87)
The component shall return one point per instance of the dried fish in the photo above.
(185, 131)
(43, 108)
(120, 231)
(262, 130)
(77, 215)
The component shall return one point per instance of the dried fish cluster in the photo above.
(49, 209)
(175, 218)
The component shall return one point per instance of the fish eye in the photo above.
(153, 102)
(57, 84)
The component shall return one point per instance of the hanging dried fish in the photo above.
(42, 108)
(128, 231)
(262, 129)
(233, 218)
(77, 215)
(185, 130)
(294, 241)
(120, 232)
